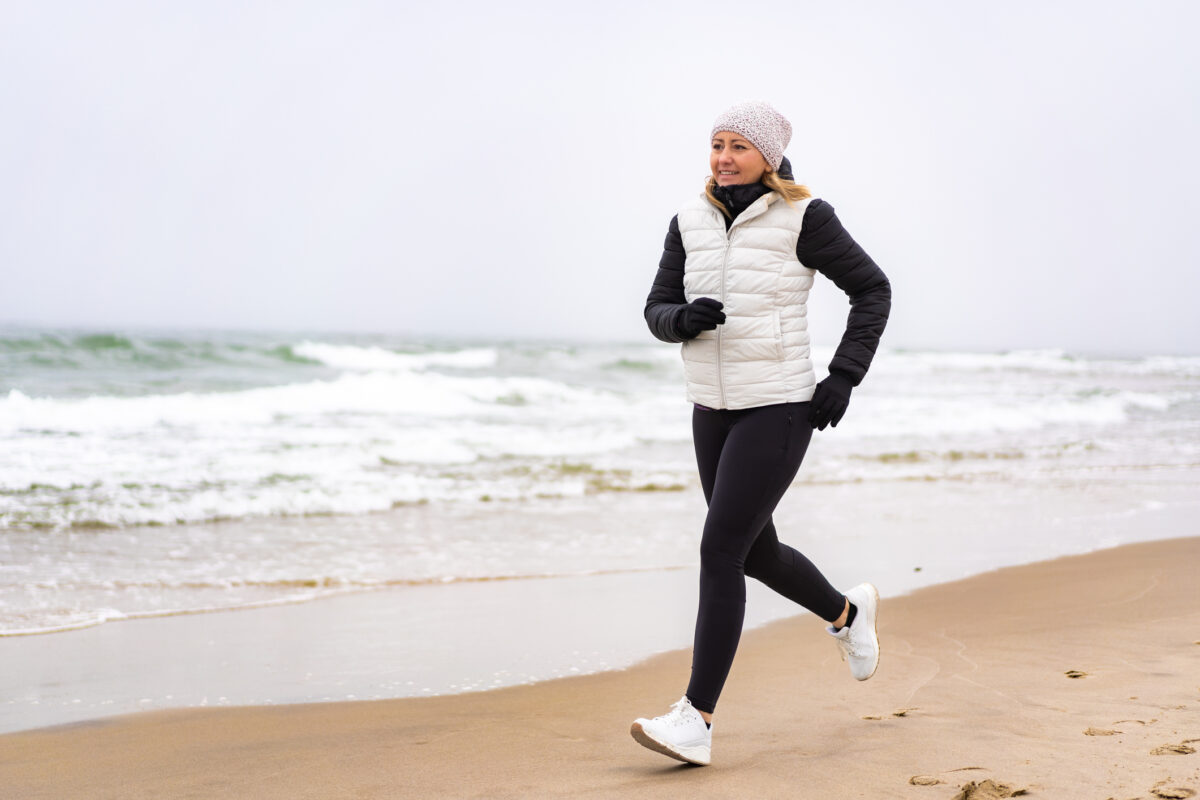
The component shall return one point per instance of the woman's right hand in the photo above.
(702, 314)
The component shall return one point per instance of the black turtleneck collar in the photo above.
(738, 197)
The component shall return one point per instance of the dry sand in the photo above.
(1073, 678)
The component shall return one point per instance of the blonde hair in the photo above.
(790, 191)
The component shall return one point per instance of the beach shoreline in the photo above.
(457, 636)
(973, 685)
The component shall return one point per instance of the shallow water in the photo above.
(412, 640)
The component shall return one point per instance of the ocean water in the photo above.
(146, 474)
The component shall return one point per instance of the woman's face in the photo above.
(734, 160)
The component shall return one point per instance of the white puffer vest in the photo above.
(760, 355)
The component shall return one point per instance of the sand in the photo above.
(1078, 677)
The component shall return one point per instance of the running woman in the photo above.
(732, 286)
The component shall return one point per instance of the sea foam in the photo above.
(118, 442)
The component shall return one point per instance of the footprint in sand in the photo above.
(901, 712)
(1074, 673)
(1171, 792)
(1181, 749)
(932, 780)
(1100, 732)
(988, 790)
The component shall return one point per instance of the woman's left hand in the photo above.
(829, 401)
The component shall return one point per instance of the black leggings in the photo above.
(747, 459)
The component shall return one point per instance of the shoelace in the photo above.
(675, 715)
(850, 648)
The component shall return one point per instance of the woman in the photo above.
(732, 286)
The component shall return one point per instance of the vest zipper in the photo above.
(720, 368)
(724, 266)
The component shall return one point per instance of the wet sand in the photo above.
(1078, 677)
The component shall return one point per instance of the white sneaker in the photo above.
(681, 733)
(859, 642)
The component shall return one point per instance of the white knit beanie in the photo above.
(762, 125)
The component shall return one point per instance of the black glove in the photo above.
(702, 314)
(829, 401)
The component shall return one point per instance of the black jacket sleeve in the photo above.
(826, 246)
(666, 300)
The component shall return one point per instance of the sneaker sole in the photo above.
(874, 628)
(691, 755)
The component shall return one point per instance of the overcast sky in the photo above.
(1025, 173)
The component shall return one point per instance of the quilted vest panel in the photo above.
(760, 355)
